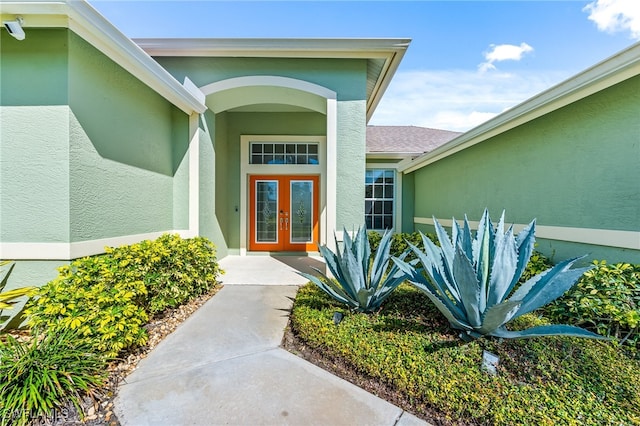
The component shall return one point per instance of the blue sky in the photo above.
(468, 61)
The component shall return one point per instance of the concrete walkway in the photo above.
(224, 366)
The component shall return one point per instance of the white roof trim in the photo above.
(622, 66)
(274, 47)
(80, 17)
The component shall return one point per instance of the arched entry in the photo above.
(276, 92)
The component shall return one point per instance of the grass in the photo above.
(409, 347)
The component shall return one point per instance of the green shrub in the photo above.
(174, 270)
(98, 297)
(45, 373)
(606, 300)
(409, 347)
(399, 242)
(108, 297)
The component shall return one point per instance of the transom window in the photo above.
(283, 153)
(378, 198)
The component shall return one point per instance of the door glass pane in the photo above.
(266, 211)
(301, 211)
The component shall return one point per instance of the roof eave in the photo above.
(88, 23)
(618, 68)
(392, 50)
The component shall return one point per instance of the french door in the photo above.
(283, 213)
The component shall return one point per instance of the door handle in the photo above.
(281, 220)
(286, 223)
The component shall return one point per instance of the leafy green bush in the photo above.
(472, 281)
(399, 242)
(362, 281)
(606, 300)
(45, 373)
(409, 347)
(9, 298)
(98, 297)
(174, 270)
(108, 297)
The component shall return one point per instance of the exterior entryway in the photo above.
(283, 213)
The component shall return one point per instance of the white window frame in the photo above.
(397, 192)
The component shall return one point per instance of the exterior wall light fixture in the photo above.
(14, 28)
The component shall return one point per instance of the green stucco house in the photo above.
(262, 145)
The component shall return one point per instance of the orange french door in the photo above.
(283, 213)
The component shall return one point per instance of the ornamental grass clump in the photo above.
(472, 281)
(46, 373)
(361, 283)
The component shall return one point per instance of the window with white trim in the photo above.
(379, 198)
(283, 153)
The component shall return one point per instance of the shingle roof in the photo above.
(406, 139)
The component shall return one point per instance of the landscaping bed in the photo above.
(407, 353)
(89, 328)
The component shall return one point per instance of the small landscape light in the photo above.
(490, 362)
(337, 317)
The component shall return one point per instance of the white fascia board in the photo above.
(618, 68)
(272, 47)
(80, 17)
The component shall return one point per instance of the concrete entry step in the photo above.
(268, 270)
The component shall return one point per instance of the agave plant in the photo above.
(473, 281)
(359, 282)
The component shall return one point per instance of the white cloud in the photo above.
(456, 100)
(503, 52)
(616, 16)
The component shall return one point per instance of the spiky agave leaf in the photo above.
(430, 280)
(328, 286)
(468, 285)
(547, 330)
(549, 285)
(469, 279)
(503, 267)
(359, 282)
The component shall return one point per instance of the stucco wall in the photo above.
(575, 167)
(351, 164)
(209, 152)
(346, 77)
(34, 134)
(128, 145)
